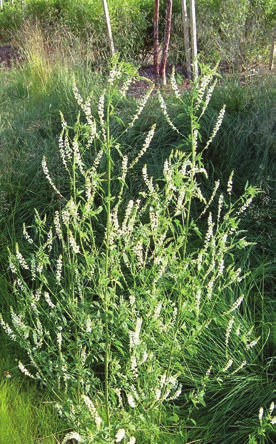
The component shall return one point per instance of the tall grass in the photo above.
(134, 307)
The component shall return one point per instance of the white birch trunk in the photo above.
(107, 19)
(272, 51)
(193, 38)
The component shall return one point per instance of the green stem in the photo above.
(107, 337)
(193, 142)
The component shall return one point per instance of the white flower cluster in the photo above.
(126, 86)
(64, 148)
(163, 107)
(133, 364)
(73, 243)
(197, 303)
(88, 325)
(230, 183)
(205, 80)
(12, 266)
(77, 95)
(220, 204)
(221, 267)
(141, 106)
(7, 329)
(252, 343)
(131, 401)
(126, 217)
(217, 126)
(48, 300)
(49, 241)
(245, 206)
(169, 172)
(101, 115)
(33, 268)
(236, 304)
(145, 146)
(118, 393)
(72, 436)
(167, 385)
(235, 277)
(174, 85)
(48, 177)
(210, 287)
(114, 74)
(59, 269)
(19, 324)
(134, 335)
(77, 156)
(73, 209)
(209, 233)
(148, 181)
(163, 266)
(90, 181)
(228, 330)
(138, 251)
(157, 311)
(132, 300)
(59, 339)
(239, 368)
(92, 409)
(57, 225)
(26, 235)
(217, 184)
(124, 232)
(120, 435)
(124, 168)
(24, 370)
(86, 107)
(228, 365)
(21, 259)
(208, 98)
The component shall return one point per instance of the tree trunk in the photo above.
(165, 48)
(156, 40)
(186, 37)
(193, 37)
(272, 51)
(107, 19)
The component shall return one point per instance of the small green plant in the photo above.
(267, 420)
(119, 291)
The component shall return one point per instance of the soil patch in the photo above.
(9, 55)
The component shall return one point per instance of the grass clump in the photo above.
(131, 307)
(27, 416)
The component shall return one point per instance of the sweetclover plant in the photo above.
(112, 298)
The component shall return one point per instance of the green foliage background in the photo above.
(235, 32)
